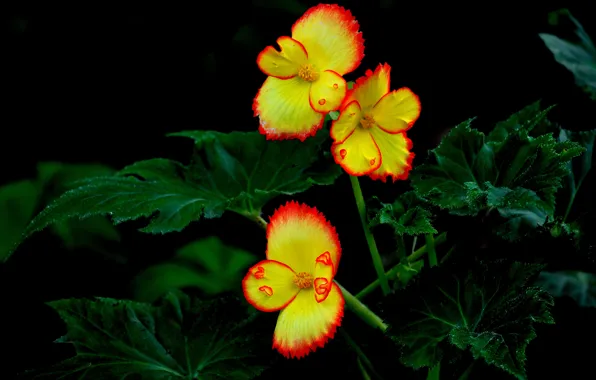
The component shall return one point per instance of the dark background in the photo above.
(92, 83)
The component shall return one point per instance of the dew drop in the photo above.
(372, 162)
(322, 101)
(343, 153)
(335, 86)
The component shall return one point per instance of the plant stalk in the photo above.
(372, 245)
(361, 310)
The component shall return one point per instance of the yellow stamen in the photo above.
(367, 122)
(303, 280)
(308, 73)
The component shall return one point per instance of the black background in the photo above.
(94, 83)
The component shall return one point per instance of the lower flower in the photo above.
(303, 253)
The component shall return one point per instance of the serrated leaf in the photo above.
(18, 202)
(207, 264)
(489, 310)
(580, 286)
(237, 171)
(406, 215)
(467, 164)
(179, 337)
(579, 58)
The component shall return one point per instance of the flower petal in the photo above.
(397, 111)
(330, 35)
(306, 325)
(298, 234)
(328, 92)
(282, 64)
(358, 154)
(395, 151)
(348, 120)
(369, 89)
(323, 276)
(269, 286)
(284, 110)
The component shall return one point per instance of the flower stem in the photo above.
(363, 361)
(417, 254)
(432, 252)
(360, 309)
(372, 245)
(434, 372)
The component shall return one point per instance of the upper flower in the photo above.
(303, 253)
(305, 78)
(369, 133)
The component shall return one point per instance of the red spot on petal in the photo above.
(259, 273)
(372, 162)
(324, 258)
(322, 101)
(335, 86)
(368, 73)
(343, 153)
(267, 290)
(321, 285)
(352, 114)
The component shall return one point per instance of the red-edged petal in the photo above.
(305, 324)
(370, 88)
(397, 111)
(330, 35)
(396, 153)
(269, 286)
(284, 110)
(348, 120)
(358, 154)
(328, 92)
(323, 276)
(283, 64)
(297, 234)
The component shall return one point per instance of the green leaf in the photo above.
(580, 286)
(206, 264)
(579, 58)
(489, 310)
(179, 337)
(580, 166)
(463, 172)
(18, 202)
(406, 216)
(407, 271)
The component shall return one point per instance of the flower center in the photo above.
(303, 280)
(308, 73)
(367, 122)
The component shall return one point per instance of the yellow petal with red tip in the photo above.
(358, 154)
(269, 285)
(328, 92)
(369, 89)
(397, 111)
(395, 151)
(348, 120)
(323, 276)
(330, 35)
(306, 324)
(282, 64)
(298, 234)
(284, 110)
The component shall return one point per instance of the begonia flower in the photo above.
(303, 253)
(369, 134)
(305, 78)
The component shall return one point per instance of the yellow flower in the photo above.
(305, 78)
(369, 134)
(303, 253)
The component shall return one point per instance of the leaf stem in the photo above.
(372, 245)
(440, 239)
(362, 311)
(363, 360)
(401, 248)
(432, 252)
(434, 372)
(572, 199)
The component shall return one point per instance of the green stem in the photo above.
(440, 239)
(362, 358)
(572, 199)
(432, 252)
(374, 252)
(353, 304)
(401, 249)
(434, 372)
